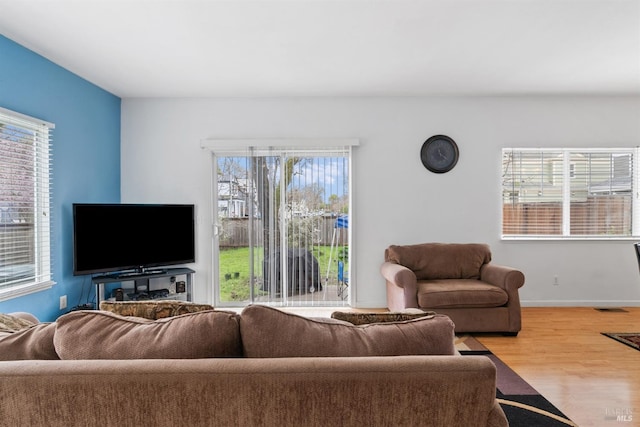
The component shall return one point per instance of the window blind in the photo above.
(25, 199)
(281, 203)
(576, 193)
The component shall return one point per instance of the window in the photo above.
(281, 231)
(569, 193)
(25, 219)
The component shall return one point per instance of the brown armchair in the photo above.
(457, 280)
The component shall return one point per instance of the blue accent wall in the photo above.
(86, 159)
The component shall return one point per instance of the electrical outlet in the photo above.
(63, 302)
(556, 282)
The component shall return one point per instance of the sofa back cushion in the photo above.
(269, 332)
(105, 335)
(432, 261)
(32, 342)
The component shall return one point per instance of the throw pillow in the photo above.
(269, 332)
(34, 342)
(153, 309)
(105, 335)
(358, 318)
(9, 323)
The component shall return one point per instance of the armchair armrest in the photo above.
(398, 274)
(507, 278)
(402, 286)
(510, 280)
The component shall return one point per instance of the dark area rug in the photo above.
(521, 403)
(632, 339)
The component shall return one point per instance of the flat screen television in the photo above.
(125, 237)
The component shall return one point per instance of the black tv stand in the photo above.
(133, 274)
(141, 280)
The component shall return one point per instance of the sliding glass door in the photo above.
(281, 232)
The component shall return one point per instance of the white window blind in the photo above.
(25, 214)
(568, 193)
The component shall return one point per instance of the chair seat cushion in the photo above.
(459, 293)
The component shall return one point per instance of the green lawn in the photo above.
(234, 269)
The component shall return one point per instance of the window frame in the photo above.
(568, 173)
(40, 167)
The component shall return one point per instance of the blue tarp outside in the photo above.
(342, 222)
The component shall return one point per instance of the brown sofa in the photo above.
(221, 368)
(455, 279)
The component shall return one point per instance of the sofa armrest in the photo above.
(506, 278)
(402, 286)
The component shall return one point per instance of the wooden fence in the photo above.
(601, 215)
(235, 232)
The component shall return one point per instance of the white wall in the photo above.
(396, 200)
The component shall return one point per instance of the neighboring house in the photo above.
(233, 198)
(540, 179)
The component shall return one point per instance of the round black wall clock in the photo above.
(439, 154)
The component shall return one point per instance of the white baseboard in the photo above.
(580, 303)
(533, 303)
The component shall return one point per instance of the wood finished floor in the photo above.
(562, 354)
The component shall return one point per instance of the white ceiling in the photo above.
(185, 48)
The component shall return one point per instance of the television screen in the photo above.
(119, 237)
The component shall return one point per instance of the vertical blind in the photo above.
(281, 204)
(25, 214)
(579, 193)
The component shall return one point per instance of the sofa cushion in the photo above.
(153, 309)
(34, 342)
(460, 293)
(430, 261)
(268, 332)
(105, 335)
